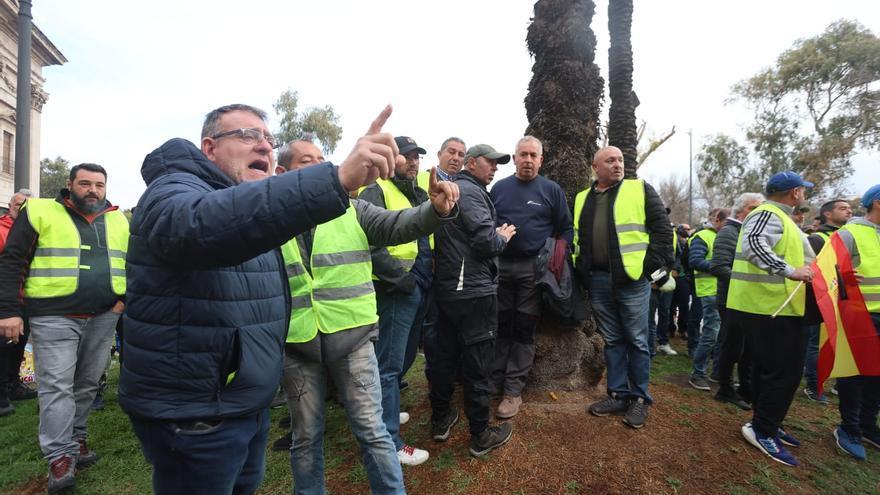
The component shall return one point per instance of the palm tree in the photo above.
(563, 111)
(565, 92)
(622, 112)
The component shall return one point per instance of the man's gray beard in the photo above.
(88, 209)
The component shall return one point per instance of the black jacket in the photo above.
(466, 250)
(390, 272)
(207, 289)
(659, 253)
(723, 252)
(94, 293)
(817, 242)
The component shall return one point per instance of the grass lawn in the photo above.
(690, 445)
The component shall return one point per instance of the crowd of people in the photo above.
(241, 271)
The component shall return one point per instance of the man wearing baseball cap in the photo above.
(466, 287)
(402, 277)
(772, 261)
(860, 395)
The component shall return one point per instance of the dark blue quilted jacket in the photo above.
(207, 293)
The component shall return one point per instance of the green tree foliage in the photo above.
(53, 176)
(813, 110)
(323, 122)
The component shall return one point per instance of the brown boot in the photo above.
(509, 407)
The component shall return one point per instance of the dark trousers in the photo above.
(695, 316)
(733, 349)
(466, 332)
(860, 399)
(10, 360)
(778, 346)
(519, 312)
(219, 456)
(681, 298)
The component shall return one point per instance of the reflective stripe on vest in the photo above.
(868, 245)
(706, 284)
(395, 200)
(753, 290)
(338, 294)
(55, 268)
(629, 223)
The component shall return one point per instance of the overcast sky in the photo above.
(140, 73)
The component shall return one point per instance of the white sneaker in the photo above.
(667, 349)
(411, 456)
(404, 418)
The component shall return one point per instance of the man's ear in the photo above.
(208, 147)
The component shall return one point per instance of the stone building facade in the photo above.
(43, 54)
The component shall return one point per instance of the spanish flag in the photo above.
(848, 343)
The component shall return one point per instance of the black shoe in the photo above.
(98, 403)
(733, 398)
(17, 391)
(700, 383)
(606, 406)
(442, 427)
(283, 443)
(6, 407)
(636, 414)
(86, 457)
(285, 422)
(490, 438)
(279, 400)
(403, 385)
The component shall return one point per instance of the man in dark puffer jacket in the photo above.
(208, 301)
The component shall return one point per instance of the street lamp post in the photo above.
(23, 99)
(691, 178)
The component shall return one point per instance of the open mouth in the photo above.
(261, 165)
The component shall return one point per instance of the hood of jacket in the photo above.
(181, 156)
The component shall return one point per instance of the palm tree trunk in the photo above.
(563, 111)
(622, 131)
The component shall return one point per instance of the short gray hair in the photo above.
(740, 203)
(450, 139)
(211, 127)
(531, 139)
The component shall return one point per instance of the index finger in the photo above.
(379, 122)
(432, 182)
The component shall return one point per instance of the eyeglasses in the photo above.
(249, 136)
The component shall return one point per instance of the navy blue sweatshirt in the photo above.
(538, 210)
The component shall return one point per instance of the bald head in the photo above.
(298, 154)
(608, 166)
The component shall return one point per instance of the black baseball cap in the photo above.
(407, 144)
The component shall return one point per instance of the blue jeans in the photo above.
(812, 358)
(652, 322)
(622, 314)
(357, 382)
(210, 456)
(711, 324)
(397, 310)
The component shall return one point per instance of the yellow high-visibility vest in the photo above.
(55, 268)
(753, 290)
(629, 223)
(338, 294)
(868, 244)
(705, 283)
